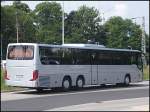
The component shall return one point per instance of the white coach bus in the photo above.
(42, 66)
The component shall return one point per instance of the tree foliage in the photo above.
(7, 27)
(48, 17)
(9, 14)
(44, 24)
(83, 25)
(21, 6)
(123, 33)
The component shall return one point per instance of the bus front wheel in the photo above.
(127, 80)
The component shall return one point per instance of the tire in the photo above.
(79, 82)
(103, 85)
(39, 90)
(66, 84)
(126, 80)
(119, 84)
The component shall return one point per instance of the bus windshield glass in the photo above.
(21, 52)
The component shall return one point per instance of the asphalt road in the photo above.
(33, 101)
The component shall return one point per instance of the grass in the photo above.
(146, 73)
(9, 88)
(4, 87)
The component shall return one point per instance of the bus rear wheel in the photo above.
(66, 84)
(39, 90)
(80, 82)
(103, 85)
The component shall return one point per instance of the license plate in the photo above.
(19, 77)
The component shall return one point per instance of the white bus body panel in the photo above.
(56, 73)
(52, 75)
(20, 73)
(116, 73)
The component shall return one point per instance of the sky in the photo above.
(107, 9)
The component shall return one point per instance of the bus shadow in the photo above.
(74, 90)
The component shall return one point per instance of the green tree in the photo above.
(147, 42)
(83, 25)
(8, 25)
(48, 20)
(25, 20)
(123, 33)
(147, 47)
(21, 6)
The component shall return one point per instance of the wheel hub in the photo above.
(66, 84)
(80, 83)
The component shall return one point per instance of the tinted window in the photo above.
(121, 58)
(75, 56)
(81, 56)
(111, 57)
(102, 57)
(66, 56)
(21, 52)
(49, 55)
(135, 58)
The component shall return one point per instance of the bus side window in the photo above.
(55, 62)
(44, 60)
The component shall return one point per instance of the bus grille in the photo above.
(44, 81)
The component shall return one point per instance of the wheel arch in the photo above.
(69, 77)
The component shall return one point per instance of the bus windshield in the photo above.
(20, 52)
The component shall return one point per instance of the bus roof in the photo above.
(79, 46)
(11, 44)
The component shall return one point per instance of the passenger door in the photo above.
(94, 69)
